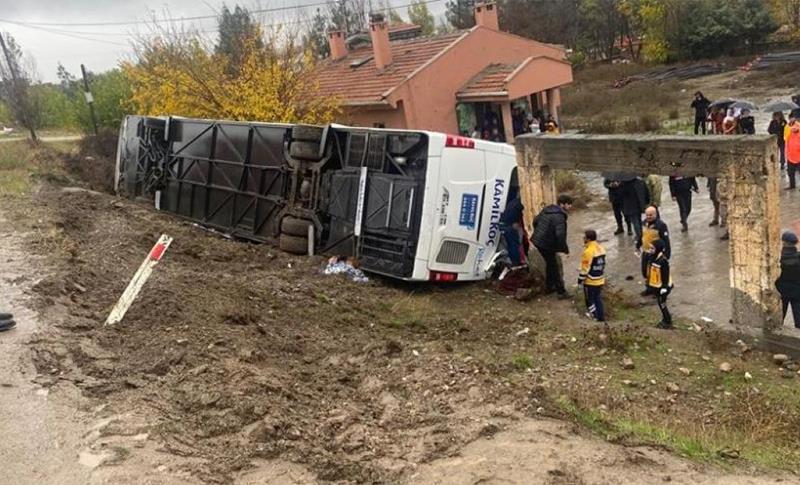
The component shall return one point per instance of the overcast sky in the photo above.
(102, 47)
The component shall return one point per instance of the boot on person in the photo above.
(7, 322)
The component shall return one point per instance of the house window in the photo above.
(378, 125)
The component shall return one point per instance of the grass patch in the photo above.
(522, 362)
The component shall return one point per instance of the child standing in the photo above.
(659, 281)
(592, 275)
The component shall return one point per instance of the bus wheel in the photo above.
(305, 150)
(293, 244)
(307, 133)
(294, 226)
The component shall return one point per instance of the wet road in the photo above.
(700, 260)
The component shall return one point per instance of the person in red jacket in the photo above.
(791, 137)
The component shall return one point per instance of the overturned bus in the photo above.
(413, 205)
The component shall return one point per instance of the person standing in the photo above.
(634, 200)
(7, 322)
(791, 139)
(681, 188)
(653, 183)
(659, 280)
(700, 106)
(511, 221)
(713, 194)
(592, 275)
(776, 128)
(729, 123)
(654, 229)
(747, 123)
(788, 283)
(550, 238)
(614, 187)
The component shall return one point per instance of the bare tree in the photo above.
(15, 81)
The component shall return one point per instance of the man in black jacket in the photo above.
(550, 238)
(634, 200)
(788, 283)
(681, 188)
(511, 226)
(700, 106)
(614, 187)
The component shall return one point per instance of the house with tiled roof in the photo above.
(480, 79)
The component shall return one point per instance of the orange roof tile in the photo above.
(365, 84)
(492, 79)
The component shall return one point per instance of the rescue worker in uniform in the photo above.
(659, 280)
(550, 238)
(788, 283)
(592, 275)
(654, 229)
(681, 188)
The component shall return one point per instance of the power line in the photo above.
(188, 19)
(64, 33)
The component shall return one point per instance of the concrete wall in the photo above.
(430, 96)
(746, 166)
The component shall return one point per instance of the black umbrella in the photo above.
(723, 103)
(744, 105)
(780, 106)
(619, 176)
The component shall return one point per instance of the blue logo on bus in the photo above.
(469, 211)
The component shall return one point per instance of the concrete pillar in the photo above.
(752, 191)
(554, 104)
(508, 122)
(537, 183)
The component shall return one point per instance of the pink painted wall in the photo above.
(391, 118)
(430, 96)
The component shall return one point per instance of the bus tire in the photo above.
(293, 244)
(307, 133)
(304, 150)
(293, 226)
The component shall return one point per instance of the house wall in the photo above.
(430, 96)
(368, 117)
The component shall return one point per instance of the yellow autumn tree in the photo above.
(271, 79)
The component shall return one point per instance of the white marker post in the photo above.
(139, 279)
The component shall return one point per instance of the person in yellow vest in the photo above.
(659, 280)
(592, 275)
(654, 229)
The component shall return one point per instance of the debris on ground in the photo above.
(769, 60)
(672, 74)
(340, 265)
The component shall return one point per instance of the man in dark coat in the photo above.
(634, 200)
(681, 188)
(788, 283)
(511, 226)
(614, 187)
(550, 238)
(700, 106)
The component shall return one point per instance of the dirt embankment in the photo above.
(235, 352)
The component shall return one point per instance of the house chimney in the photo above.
(337, 44)
(486, 15)
(379, 33)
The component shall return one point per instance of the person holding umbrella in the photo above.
(729, 123)
(747, 124)
(776, 128)
(700, 106)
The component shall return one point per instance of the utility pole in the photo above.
(17, 89)
(89, 98)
